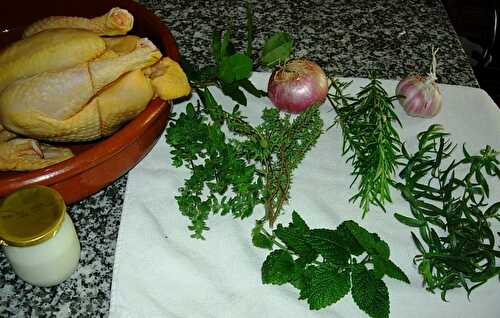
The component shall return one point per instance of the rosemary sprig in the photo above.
(369, 138)
(451, 213)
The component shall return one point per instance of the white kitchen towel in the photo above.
(159, 271)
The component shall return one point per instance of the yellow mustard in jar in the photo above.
(38, 236)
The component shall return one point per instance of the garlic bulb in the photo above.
(420, 96)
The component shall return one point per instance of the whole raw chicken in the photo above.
(67, 81)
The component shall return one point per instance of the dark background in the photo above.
(475, 23)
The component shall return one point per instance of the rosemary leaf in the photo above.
(369, 138)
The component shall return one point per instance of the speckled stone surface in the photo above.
(389, 37)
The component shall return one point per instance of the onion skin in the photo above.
(419, 96)
(297, 85)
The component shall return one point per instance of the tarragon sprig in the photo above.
(448, 203)
(369, 139)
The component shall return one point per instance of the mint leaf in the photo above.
(298, 223)
(278, 268)
(232, 90)
(250, 87)
(381, 246)
(348, 240)
(234, 68)
(325, 286)
(216, 47)
(382, 266)
(326, 243)
(294, 238)
(369, 293)
(277, 49)
(259, 239)
(371, 242)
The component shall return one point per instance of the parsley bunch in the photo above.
(451, 213)
(369, 138)
(324, 265)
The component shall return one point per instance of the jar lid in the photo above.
(31, 215)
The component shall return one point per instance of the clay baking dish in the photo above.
(95, 164)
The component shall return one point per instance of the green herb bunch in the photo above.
(324, 265)
(451, 212)
(233, 175)
(369, 139)
(231, 70)
(235, 166)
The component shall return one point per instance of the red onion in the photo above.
(297, 85)
(420, 96)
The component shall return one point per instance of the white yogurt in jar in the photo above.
(50, 262)
(38, 236)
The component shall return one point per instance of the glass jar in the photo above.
(38, 236)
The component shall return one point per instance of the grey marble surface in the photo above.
(389, 37)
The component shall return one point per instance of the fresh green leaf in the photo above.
(346, 239)
(381, 247)
(278, 268)
(232, 90)
(259, 239)
(277, 49)
(234, 68)
(369, 241)
(492, 210)
(225, 46)
(327, 244)
(409, 221)
(369, 293)
(250, 87)
(294, 237)
(216, 47)
(384, 266)
(326, 286)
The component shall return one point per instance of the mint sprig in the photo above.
(325, 265)
(231, 70)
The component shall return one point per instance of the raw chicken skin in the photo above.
(47, 51)
(102, 116)
(121, 44)
(27, 154)
(60, 95)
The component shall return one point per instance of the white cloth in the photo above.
(159, 271)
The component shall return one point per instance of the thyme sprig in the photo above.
(233, 175)
(451, 213)
(369, 138)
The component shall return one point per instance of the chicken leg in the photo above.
(115, 22)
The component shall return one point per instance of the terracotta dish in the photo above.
(96, 164)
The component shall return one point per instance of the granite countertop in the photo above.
(389, 37)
